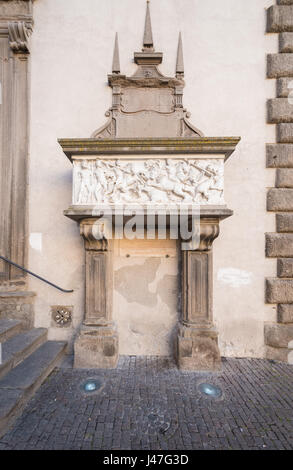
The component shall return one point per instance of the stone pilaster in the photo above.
(97, 344)
(15, 28)
(197, 341)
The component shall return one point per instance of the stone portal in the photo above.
(148, 160)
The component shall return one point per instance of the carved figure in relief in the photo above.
(87, 186)
(115, 181)
(168, 182)
(100, 180)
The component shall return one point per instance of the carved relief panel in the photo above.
(148, 181)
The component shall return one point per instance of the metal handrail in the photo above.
(35, 275)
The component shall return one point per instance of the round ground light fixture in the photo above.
(91, 385)
(210, 390)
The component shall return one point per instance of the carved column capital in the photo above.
(209, 231)
(96, 234)
(19, 33)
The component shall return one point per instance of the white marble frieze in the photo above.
(149, 181)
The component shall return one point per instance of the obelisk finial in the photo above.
(180, 61)
(148, 43)
(116, 59)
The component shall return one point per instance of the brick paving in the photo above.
(147, 403)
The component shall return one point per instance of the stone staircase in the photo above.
(26, 360)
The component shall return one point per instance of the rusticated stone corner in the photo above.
(279, 335)
(285, 313)
(279, 155)
(284, 87)
(285, 132)
(286, 42)
(279, 245)
(284, 223)
(279, 111)
(280, 18)
(279, 354)
(279, 65)
(279, 291)
(285, 267)
(280, 199)
(284, 178)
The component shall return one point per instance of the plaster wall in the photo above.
(225, 48)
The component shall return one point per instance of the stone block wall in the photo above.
(279, 335)
(18, 305)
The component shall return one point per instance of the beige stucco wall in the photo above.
(226, 91)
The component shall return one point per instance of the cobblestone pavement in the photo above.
(147, 403)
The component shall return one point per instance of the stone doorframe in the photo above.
(97, 345)
(196, 345)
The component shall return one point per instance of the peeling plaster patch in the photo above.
(290, 345)
(132, 282)
(36, 241)
(167, 289)
(234, 277)
(290, 357)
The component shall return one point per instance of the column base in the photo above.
(96, 348)
(197, 349)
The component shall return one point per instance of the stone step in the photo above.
(9, 328)
(20, 347)
(19, 385)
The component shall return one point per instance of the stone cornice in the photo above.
(202, 145)
(212, 214)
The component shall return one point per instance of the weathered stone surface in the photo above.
(285, 313)
(285, 2)
(284, 178)
(285, 132)
(285, 267)
(279, 110)
(20, 383)
(280, 199)
(279, 155)
(284, 222)
(197, 349)
(279, 354)
(279, 336)
(21, 312)
(20, 347)
(285, 87)
(279, 291)
(15, 7)
(279, 244)
(96, 348)
(9, 328)
(16, 296)
(198, 354)
(279, 65)
(286, 42)
(280, 18)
